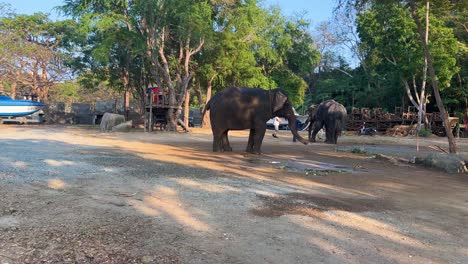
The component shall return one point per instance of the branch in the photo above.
(415, 88)
(181, 51)
(345, 72)
(393, 62)
(198, 48)
(408, 92)
(165, 64)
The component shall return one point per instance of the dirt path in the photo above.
(74, 195)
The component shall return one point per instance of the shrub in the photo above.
(425, 132)
(357, 150)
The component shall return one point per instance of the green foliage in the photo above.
(65, 92)
(34, 52)
(425, 132)
(255, 47)
(294, 85)
(388, 34)
(358, 150)
(394, 50)
(248, 45)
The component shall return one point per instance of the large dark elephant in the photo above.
(238, 108)
(330, 114)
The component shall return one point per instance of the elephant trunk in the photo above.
(292, 126)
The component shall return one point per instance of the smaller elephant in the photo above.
(329, 114)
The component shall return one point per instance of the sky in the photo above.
(316, 10)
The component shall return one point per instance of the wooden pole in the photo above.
(145, 116)
(150, 122)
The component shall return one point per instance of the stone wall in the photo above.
(84, 114)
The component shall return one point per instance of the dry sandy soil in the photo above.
(74, 195)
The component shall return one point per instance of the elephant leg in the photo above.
(330, 131)
(216, 145)
(337, 133)
(338, 128)
(258, 139)
(316, 126)
(225, 142)
(217, 140)
(250, 143)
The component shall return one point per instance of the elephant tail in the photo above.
(340, 125)
(206, 108)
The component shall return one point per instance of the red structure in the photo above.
(156, 91)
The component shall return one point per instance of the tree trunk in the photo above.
(206, 117)
(198, 93)
(126, 103)
(127, 89)
(187, 108)
(422, 96)
(435, 85)
(173, 112)
(13, 90)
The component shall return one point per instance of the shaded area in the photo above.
(313, 205)
(82, 198)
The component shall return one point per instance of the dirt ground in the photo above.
(75, 195)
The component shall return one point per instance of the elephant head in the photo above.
(282, 107)
(312, 111)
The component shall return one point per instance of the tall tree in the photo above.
(171, 31)
(388, 32)
(32, 49)
(174, 32)
(432, 72)
(419, 11)
(107, 42)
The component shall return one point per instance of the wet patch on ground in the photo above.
(315, 205)
(307, 166)
(407, 152)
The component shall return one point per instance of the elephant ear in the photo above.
(279, 101)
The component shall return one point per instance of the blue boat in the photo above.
(18, 108)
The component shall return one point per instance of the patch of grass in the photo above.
(357, 150)
(322, 172)
(425, 132)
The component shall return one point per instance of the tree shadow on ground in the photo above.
(93, 201)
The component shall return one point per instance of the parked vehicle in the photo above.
(367, 131)
(10, 108)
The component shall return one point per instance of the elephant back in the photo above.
(331, 109)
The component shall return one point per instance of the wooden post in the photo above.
(145, 116)
(187, 109)
(150, 122)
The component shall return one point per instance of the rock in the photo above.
(392, 159)
(385, 157)
(448, 162)
(123, 127)
(110, 120)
